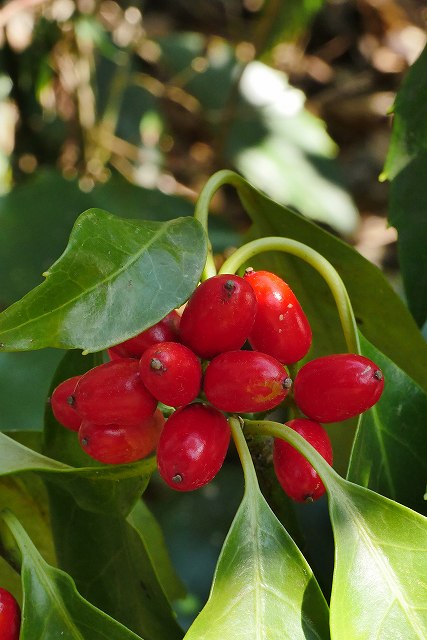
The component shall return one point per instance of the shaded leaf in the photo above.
(262, 588)
(390, 451)
(144, 522)
(109, 562)
(116, 278)
(52, 606)
(405, 168)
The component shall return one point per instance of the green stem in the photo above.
(318, 262)
(277, 430)
(251, 480)
(201, 211)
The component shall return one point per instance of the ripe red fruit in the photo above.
(113, 393)
(171, 372)
(120, 444)
(10, 616)
(295, 474)
(166, 330)
(63, 404)
(219, 316)
(337, 387)
(281, 328)
(246, 381)
(192, 447)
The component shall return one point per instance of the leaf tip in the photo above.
(382, 177)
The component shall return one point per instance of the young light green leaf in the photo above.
(379, 590)
(405, 168)
(263, 588)
(390, 451)
(116, 278)
(52, 606)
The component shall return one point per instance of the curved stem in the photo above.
(318, 262)
(282, 431)
(201, 211)
(251, 480)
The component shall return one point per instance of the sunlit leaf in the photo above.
(262, 588)
(116, 278)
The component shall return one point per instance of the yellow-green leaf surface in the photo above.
(379, 589)
(52, 607)
(116, 277)
(263, 588)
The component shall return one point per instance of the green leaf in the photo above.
(382, 316)
(116, 278)
(405, 167)
(52, 606)
(151, 534)
(378, 590)
(262, 588)
(110, 564)
(390, 451)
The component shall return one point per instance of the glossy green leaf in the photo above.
(108, 559)
(378, 590)
(52, 606)
(405, 167)
(116, 278)
(263, 587)
(144, 522)
(382, 316)
(390, 451)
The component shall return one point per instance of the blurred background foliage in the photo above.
(131, 106)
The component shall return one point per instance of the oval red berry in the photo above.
(296, 475)
(281, 328)
(246, 381)
(10, 616)
(171, 372)
(62, 402)
(219, 316)
(120, 444)
(337, 387)
(192, 447)
(113, 393)
(166, 330)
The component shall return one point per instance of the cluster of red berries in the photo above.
(182, 362)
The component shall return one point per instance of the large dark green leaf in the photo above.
(378, 590)
(406, 168)
(390, 451)
(116, 278)
(110, 564)
(52, 606)
(380, 313)
(262, 588)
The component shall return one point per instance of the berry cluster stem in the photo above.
(278, 430)
(251, 481)
(318, 262)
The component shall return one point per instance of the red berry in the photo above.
(113, 393)
(63, 404)
(171, 372)
(164, 331)
(337, 387)
(10, 616)
(246, 381)
(192, 447)
(281, 328)
(219, 316)
(120, 444)
(296, 475)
